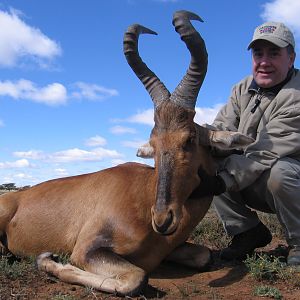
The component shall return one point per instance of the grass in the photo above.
(15, 269)
(267, 291)
(210, 230)
(264, 267)
(62, 296)
(63, 258)
(261, 267)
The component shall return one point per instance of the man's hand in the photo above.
(209, 185)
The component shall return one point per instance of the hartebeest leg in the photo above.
(191, 255)
(105, 271)
(2, 249)
(8, 207)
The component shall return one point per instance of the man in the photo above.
(266, 176)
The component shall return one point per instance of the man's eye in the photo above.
(274, 53)
(257, 54)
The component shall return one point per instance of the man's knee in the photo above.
(282, 174)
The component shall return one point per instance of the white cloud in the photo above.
(286, 11)
(116, 162)
(19, 178)
(31, 154)
(61, 172)
(19, 40)
(76, 155)
(52, 94)
(69, 155)
(92, 91)
(206, 114)
(21, 163)
(144, 117)
(96, 141)
(203, 115)
(121, 130)
(133, 144)
(23, 176)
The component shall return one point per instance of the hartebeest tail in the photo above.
(118, 224)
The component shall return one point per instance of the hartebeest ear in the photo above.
(145, 151)
(228, 140)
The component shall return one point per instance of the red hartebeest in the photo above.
(118, 224)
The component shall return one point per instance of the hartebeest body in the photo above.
(120, 223)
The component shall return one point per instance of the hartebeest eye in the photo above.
(189, 143)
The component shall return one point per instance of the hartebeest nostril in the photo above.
(163, 228)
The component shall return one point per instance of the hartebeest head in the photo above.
(174, 138)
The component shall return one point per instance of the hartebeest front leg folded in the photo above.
(105, 271)
(191, 255)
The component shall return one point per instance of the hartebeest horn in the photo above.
(152, 83)
(187, 91)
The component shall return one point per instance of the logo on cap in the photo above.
(267, 29)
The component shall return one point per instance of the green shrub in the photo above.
(267, 291)
(61, 296)
(264, 267)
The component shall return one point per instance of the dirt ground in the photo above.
(169, 281)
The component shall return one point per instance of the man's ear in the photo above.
(292, 59)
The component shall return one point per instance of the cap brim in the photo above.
(274, 40)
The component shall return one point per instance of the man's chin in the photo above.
(264, 82)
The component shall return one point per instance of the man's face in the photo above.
(270, 64)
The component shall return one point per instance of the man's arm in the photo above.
(280, 138)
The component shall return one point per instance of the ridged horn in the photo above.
(152, 83)
(187, 91)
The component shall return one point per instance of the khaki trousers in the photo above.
(276, 191)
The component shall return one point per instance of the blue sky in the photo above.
(70, 104)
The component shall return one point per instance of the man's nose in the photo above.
(265, 60)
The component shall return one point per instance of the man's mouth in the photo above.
(264, 72)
